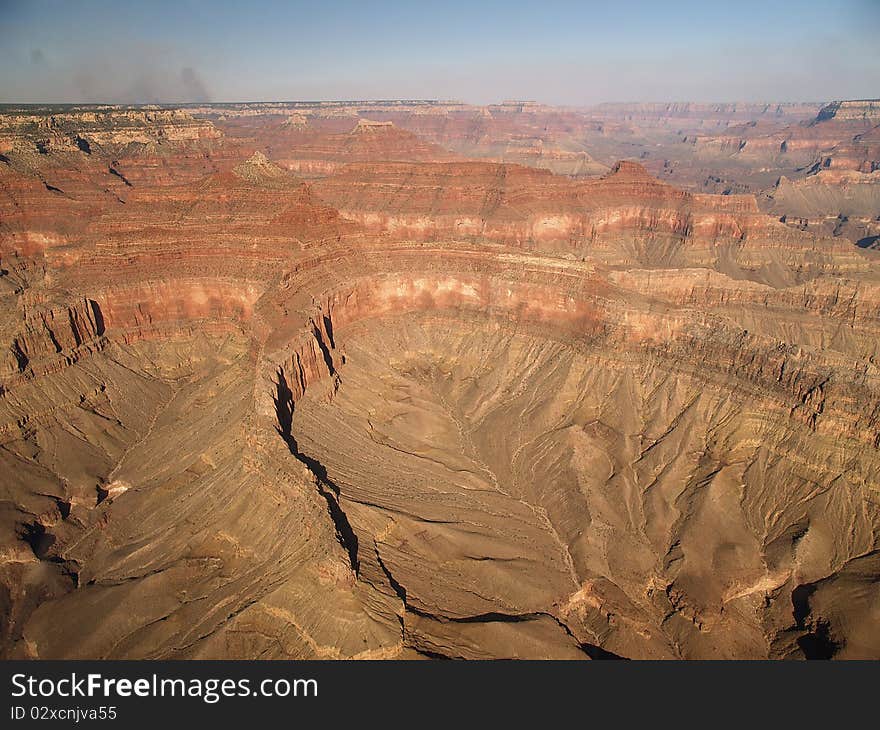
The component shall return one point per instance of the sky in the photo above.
(552, 51)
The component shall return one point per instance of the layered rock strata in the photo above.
(427, 408)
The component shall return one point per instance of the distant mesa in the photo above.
(857, 109)
(368, 125)
(260, 168)
(296, 120)
(629, 170)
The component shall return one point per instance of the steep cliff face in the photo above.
(107, 129)
(624, 218)
(420, 406)
(861, 110)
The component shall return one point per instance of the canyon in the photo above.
(412, 379)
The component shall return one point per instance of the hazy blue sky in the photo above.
(551, 51)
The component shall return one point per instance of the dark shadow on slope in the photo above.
(818, 643)
(99, 317)
(598, 653)
(40, 541)
(325, 351)
(326, 487)
(113, 171)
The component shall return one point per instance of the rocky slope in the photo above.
(422, 406)
(839, 193)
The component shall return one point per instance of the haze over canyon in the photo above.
(423, 379)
